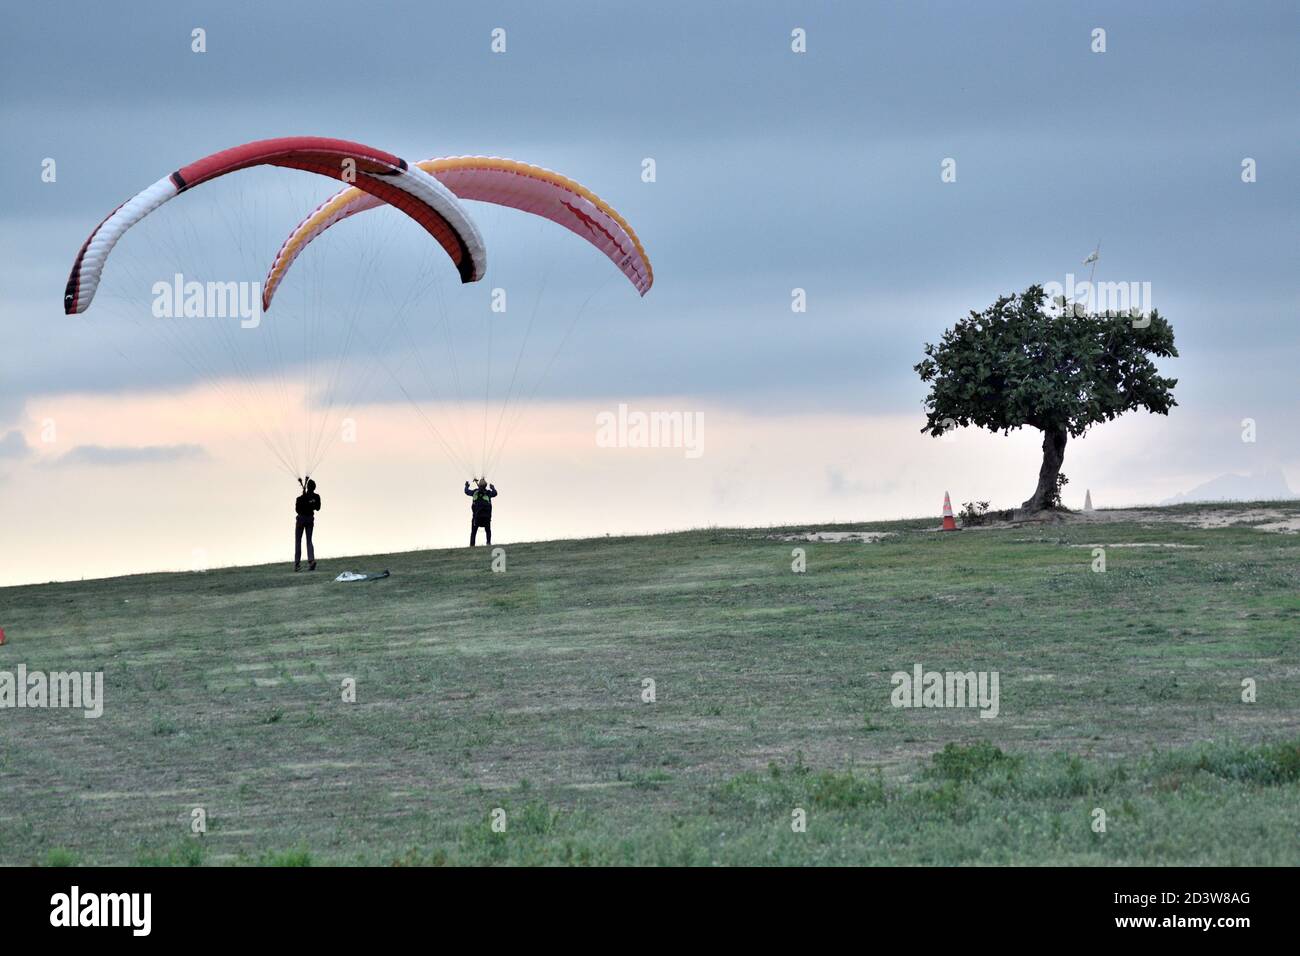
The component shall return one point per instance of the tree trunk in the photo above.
(1053, 456)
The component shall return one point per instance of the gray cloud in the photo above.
(125, 455)
(1267, 485)
(14, 445)
(838, 484)
(775, 171)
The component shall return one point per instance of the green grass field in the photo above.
(522, 691)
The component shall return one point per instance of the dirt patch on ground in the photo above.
(1285, 520)
(1291, 526)
(1136, 544)
(1266, 519)
(1276, 519)
(835, 536)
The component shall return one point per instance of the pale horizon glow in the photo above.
(392, 490)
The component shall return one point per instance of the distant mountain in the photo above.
(1267, 485)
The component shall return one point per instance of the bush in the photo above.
(960, 763)
(977, 512)
(1054, 497)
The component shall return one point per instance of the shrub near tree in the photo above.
(1022, 362)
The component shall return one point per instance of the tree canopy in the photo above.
(1022, 362)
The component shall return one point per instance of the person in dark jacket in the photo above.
(305, 508)
(481, 509)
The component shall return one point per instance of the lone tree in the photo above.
(1021, 363)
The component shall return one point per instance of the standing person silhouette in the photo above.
(481, 509)
(305, 508)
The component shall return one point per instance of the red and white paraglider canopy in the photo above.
(505, 182)
(381, 175)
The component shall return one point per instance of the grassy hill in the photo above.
(522, 690)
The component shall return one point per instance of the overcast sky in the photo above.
(775, 171)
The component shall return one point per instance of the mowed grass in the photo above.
(1119, 691)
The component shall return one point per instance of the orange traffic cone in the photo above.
(948, 523)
